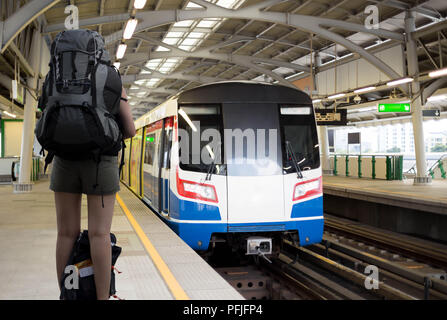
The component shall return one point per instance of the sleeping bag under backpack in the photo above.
(80, 99)
(79, 265)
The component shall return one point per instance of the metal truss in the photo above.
(12, 26)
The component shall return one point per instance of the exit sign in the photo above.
(394, 107)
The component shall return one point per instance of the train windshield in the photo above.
(200, 132)
(247, 139)
(298, 129)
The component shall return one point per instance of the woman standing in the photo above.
(69, 180)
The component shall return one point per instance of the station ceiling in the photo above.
(241, 48)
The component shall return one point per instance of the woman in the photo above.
(69, 180)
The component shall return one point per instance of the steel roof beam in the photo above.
(15, 23)
(308, 24)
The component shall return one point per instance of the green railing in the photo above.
(388, 167)
(438, 165)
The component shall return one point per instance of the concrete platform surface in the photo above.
(430, 198)
(28, 242)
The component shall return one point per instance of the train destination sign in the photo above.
(394, 107)
(330, 117)
(431, 113)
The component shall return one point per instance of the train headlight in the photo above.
(202, 190)
(307, 189)
(195, 190)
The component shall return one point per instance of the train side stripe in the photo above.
(172, 283)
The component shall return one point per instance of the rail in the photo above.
(377, 166)
(438, 165)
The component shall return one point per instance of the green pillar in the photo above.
(360, 166)
(335, 165)
(373, 161)
(347, 165)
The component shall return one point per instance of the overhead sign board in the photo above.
(330, 117)
(394, 107)
(431, 113)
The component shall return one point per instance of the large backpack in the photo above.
(80, 99)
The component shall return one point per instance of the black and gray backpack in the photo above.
(80, 99)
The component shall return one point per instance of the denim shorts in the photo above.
(84, 176)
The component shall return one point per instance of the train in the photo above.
(233, 162)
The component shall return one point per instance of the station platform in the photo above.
(155, 263)
(398, 206)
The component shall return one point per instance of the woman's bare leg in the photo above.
(99, 224)
(68, 212)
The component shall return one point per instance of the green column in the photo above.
(335, 165)
(388, 168)
(360, 166)
(441, 167)
(347, 165)
(373, 161)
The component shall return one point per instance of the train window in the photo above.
(150, 149)
(301, 132)
(195, 154)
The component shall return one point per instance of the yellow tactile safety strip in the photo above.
(173, 285)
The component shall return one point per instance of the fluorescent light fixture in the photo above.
(121, 50)
(139, 4)
(364, 89)
(438, 73)
(130, 28)
(316, 100)
(400, 81)
(437, 98)
(335, 96)
(185, 116)
(117, 64)
(9, 114)
(295, 111)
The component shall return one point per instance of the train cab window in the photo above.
(298, 128)
(195, 154)
(150, 149)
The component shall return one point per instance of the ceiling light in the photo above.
(117, 65)
(335, 96)
(364, 89)
(9, 114)
(437, 98)
(438, 73)
(316, 100)
(400, 81)
(139, 4)
(121, 50)
(130, 28)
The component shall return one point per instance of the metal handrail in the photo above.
(437, 162)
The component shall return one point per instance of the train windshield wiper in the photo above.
(296, 164)
(210, 170)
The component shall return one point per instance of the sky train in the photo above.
(234, 162)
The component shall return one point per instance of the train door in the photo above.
(166, 143)
(254, 173)
(150, 163)
(135, 169)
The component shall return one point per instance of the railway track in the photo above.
(407, 268)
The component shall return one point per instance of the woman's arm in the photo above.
(126, 117)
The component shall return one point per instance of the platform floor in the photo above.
(431, 198)
(28, 241)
